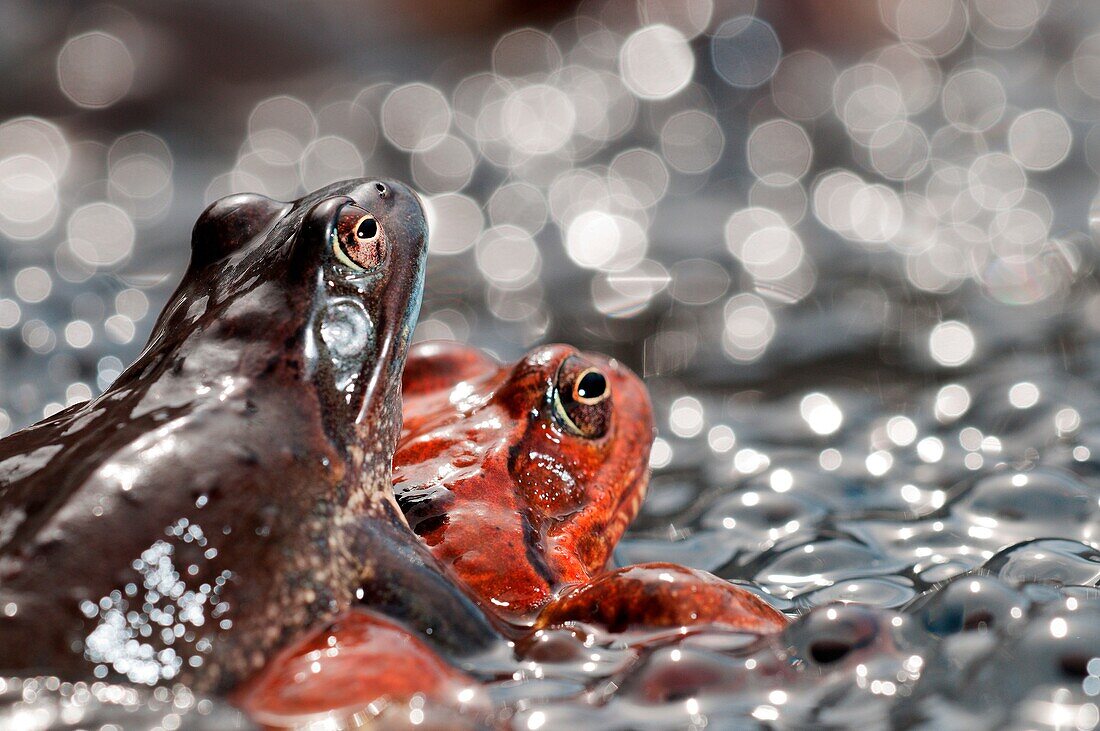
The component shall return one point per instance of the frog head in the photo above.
(324, 290)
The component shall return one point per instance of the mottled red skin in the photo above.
(662, 595)
(361, 663)
(500, 490)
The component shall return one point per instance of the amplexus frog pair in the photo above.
(520, 479)
(232, 489)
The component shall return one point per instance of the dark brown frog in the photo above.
(232, 487)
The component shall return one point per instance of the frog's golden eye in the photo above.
(582, 399)
(359, 241)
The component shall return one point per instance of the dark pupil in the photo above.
(592, 385)
(368, 229)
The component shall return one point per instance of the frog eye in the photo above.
(359, 241)
(590, 388)
(582, 399)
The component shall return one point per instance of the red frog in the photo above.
(521, 478)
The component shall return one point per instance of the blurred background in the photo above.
(846, 242)
(712, 189)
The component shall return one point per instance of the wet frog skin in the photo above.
(655, 595)
(362, 664)
(232, 487)
(521, 478)
(515, 485)
(522, 489)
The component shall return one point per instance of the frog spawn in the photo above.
(906, 597)
(915, 590)
(948, 601)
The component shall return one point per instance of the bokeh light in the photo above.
(95, 69)
(656, 62)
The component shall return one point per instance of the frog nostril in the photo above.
(383, 190)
